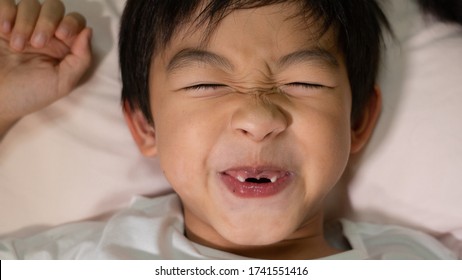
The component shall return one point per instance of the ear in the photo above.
(362, 130)
(142, 131)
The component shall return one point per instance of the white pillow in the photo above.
(411, 172)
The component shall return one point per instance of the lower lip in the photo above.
(254, 190)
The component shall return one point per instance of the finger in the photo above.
(74, 66)
(71, 25)
(7, 15)
(28, 12)
(50, 16)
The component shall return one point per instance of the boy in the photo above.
(253, 108)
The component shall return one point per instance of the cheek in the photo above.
(337, 131)
(338, 150)
(186, 133)
(326, 138)
(177, 146)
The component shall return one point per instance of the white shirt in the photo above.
(154, 229)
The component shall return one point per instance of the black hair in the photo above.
(446, 10)
(147, 26)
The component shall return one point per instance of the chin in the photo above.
(247, 242)
(256, 236)
(258, 225)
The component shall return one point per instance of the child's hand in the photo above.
(43, 55)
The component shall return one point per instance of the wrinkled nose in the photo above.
(259, 121)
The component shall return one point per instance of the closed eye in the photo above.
(207, 90)
(205, 87)
(302, 89)
(306, 85)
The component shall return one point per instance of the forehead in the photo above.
(280, 27)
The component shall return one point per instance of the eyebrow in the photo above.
(186, 57)
(307, 55)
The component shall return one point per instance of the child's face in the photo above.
(262, 99)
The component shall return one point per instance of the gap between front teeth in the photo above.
(242, 179)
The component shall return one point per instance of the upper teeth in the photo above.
(242, 179)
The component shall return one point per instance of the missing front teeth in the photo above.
(258, 181)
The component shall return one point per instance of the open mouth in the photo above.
(256, 182)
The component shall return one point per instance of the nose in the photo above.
(259, 121)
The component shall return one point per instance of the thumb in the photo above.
(76, 63)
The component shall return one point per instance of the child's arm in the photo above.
(43, 55)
